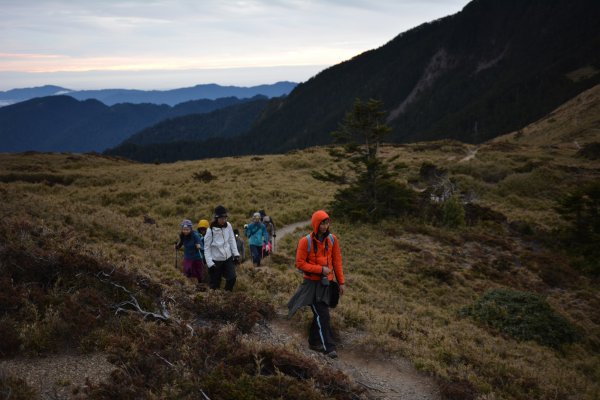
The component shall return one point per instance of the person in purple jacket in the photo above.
(193, 262)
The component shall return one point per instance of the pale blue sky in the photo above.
(162, 44)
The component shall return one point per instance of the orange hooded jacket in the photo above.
(326, 254)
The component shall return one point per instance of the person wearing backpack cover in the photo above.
(257, 235)
(193, 261)
(220, 250)
(319, 257)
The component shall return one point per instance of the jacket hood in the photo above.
(317, 218)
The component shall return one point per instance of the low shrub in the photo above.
(47, 179)
(168, 362)
(524, 316)
(581, 211)
(204, 176)
(233, 307)
(51, 297)
(453, 213)
(591, 151)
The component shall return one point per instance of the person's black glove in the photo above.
(236, 259)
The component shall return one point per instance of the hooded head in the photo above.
(186, 223)
(317, 218)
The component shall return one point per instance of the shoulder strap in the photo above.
(308, 240)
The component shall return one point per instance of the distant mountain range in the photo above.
(62, 123)
(170, 97)
(492, 68)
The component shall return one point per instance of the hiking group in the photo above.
(212, 251)
(218, 246)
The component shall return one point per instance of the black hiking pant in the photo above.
(320, 329)
(222, 269)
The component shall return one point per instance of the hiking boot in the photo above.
(316, 347)
(201, 287)
(331, 354)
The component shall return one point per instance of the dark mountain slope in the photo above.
(492, 68)
(224, 122)
(61, 123)
(177, 138)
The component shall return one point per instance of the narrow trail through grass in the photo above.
(391, 378)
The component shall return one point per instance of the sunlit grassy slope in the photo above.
(407, 280)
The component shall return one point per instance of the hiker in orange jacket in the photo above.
(320, 258)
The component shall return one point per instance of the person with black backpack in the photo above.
(220, 250)
(319, 257)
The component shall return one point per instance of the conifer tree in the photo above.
(372, 192)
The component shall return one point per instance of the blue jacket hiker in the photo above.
(193, 261)
(257, 235)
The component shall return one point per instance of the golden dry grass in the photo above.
(406, 281)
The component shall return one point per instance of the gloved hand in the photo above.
(236, 259)
(245, 226)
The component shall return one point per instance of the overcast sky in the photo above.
(163, 44)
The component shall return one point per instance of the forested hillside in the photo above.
(175, 139)
(489, 69)
(61, 123)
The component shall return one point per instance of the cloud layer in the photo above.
(47, 37)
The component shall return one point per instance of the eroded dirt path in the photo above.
(55, 376)
(391, 378)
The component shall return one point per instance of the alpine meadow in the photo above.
(491, 296)
(455, 168)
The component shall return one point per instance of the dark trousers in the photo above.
(256, 254)
(222, 269)
(320, 329)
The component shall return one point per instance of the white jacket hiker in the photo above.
(219, 244)
(220, 251)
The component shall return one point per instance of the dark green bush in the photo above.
(204, 176)
(581, 210)
(453, 213)
(524, 316)
(591, 151)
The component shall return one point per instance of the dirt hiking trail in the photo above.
(392, 378)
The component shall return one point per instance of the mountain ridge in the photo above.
(172, 97)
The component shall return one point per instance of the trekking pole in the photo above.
(176, 266)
